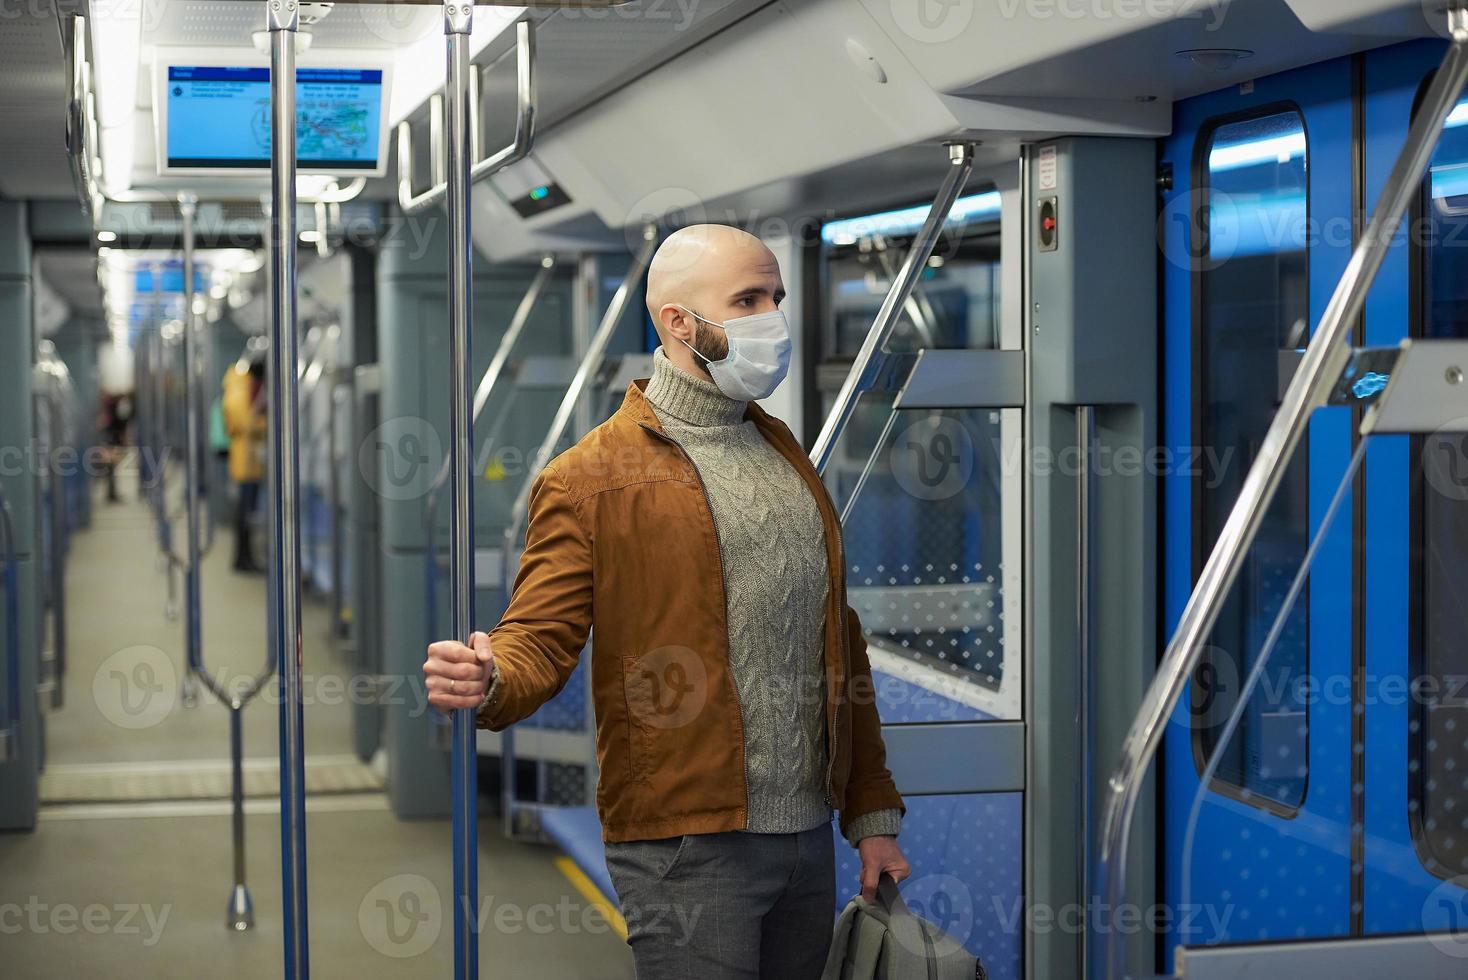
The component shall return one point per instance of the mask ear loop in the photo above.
(705, 320)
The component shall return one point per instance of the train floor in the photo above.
(128, 871)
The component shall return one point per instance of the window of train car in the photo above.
(1439, 746)
(956, 302)
(1251, 302)
(955, 305)
(924, 531)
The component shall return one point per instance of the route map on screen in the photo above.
(219, 117)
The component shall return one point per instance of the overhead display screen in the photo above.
(219, 118)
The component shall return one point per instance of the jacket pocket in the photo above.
(666, 689)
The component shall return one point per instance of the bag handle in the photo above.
(905, 927)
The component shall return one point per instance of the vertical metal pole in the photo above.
(10, 733)
(1085, 436)
(334, 492)
(241, 908)
(160, 404)
(282, 18)
(457, 22)
(585, 300)
(193, 629)
(56, 423)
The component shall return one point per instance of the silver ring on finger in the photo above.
(451, 687)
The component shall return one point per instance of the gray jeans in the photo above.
(730, 906)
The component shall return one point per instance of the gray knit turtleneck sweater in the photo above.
(772, 547)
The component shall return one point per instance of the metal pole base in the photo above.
(241, 910)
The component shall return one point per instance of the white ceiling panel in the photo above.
(585, 55)
(224, 23)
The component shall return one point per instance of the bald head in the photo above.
(717, 272)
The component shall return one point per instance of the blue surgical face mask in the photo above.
(758, 358)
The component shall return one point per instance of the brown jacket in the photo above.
(621, 540)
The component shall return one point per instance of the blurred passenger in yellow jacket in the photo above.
(244, 419)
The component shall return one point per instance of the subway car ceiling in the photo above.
(651, 111)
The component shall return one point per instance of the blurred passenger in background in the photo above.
(244, 419)
(116, 416)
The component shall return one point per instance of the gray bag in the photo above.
(884, 941)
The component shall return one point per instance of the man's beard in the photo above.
(710, 343)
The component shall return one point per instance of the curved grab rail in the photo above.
(10, 729)
(1325, 358)
(490, 165)
(590, 362)
(869, 358)
(486, 387)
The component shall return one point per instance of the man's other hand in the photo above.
(879, 854)
(457, 675)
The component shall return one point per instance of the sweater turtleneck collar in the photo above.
(689, 399)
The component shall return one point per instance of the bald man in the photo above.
(734, 702)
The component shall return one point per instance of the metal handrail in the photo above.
(282, 21)
(516, 150)
(10, 730)
(459, 120)
(486, 387)
(590, 363)
(868, 359)
(917, 307)
(1326, 356)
